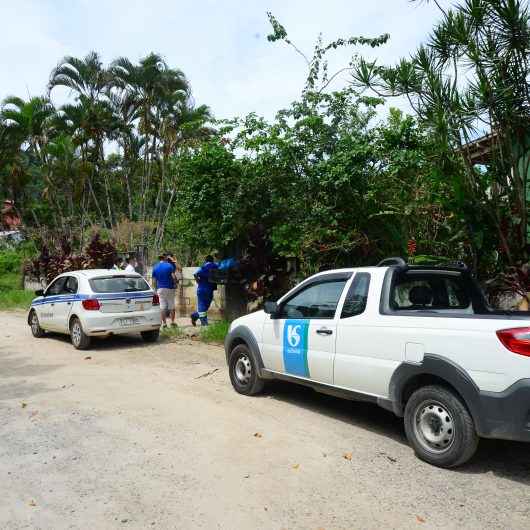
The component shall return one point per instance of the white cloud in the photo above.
(221, 46)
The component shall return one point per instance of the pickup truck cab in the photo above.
(419, 341)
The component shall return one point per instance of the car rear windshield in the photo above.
(118, 284)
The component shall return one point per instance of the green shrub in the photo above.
(12, 296)
(16, 299)
(10, 261)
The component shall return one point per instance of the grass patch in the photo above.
(173, 332)
(12, 296)
(215, 332)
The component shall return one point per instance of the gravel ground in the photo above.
(134, 436)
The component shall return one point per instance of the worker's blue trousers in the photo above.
(204, 300)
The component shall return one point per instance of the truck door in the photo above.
(300, 340)
(356, 366)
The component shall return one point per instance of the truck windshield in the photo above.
(118, 284)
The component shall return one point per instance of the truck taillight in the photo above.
(156, 299)
(517, 340)
(91, 304)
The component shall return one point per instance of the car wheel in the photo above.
(79, 339)
(243, 371)
(34, 323)
(151, 335)
(439, 427)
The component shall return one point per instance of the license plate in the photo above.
(127, 322)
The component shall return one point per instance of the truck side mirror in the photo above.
(39, 292)
(271, 308)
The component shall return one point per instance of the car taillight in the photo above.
(156, 299)
(91, 304)
(517, 340)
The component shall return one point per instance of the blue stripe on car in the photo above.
(59, 298)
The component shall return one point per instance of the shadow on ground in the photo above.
(505, 459)
(23, 370)
(361, 414)
(103, 343)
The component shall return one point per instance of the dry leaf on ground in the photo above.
(420, 519)
(296, 466)
(347, 456)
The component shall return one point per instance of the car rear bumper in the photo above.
(119, 323)
(506, 415)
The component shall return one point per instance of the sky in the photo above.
(220, 45)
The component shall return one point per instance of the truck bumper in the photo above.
(506, 415)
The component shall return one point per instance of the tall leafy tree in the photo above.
(472, 77)
(158, 100)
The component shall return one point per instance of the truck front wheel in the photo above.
(243, 371)
(439, 427)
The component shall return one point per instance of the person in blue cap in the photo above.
(205, 290)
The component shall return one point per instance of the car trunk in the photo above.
(126, 305)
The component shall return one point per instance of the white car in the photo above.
(93, 303)
(419, 341)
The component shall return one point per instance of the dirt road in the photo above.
(134, 436)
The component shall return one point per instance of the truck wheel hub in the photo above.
(434, 427)
(243, 369)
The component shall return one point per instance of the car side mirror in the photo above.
(271, 308)
(39, 292)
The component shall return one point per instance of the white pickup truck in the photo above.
(419, 341)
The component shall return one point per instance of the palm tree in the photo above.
(15, 168)
(181, 125)
(25, 128)
(148, 85)
(126, 109)
(66, 179)
(90, 81)
(28, 122)
(85, 77)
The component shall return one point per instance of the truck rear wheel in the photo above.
(439, 427)
(243, 371)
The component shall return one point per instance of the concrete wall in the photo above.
(186, 295)
(31, 284)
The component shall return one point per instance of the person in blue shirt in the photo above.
(164, 283)
(205, 291)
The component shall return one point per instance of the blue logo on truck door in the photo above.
(295, 347)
